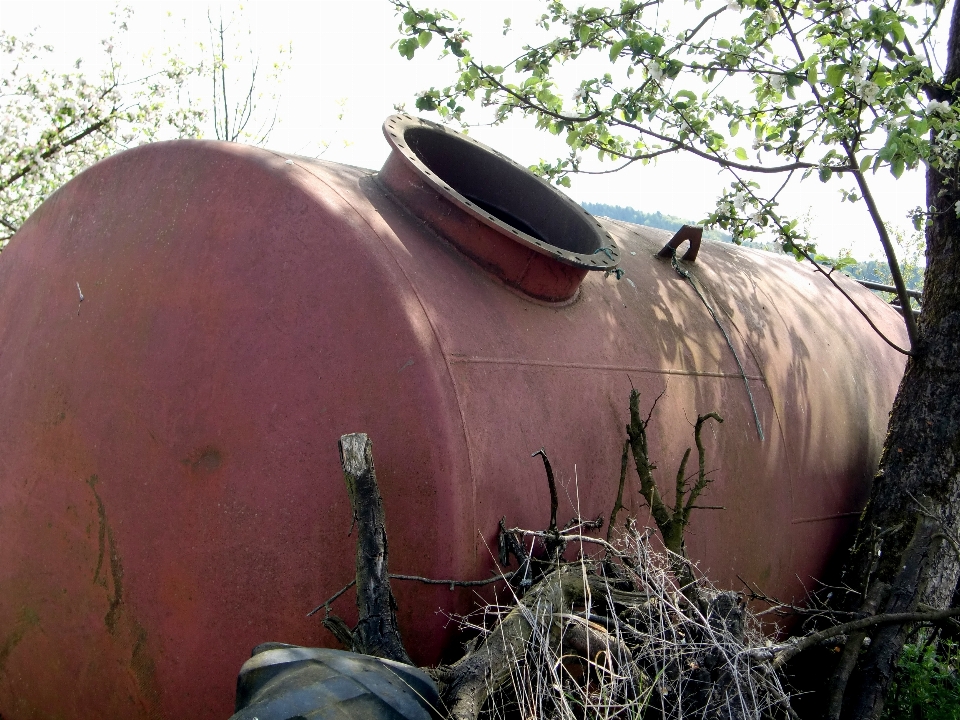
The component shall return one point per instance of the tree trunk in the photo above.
(916, 494)
(376, 632)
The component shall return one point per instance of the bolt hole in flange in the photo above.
(504, 217)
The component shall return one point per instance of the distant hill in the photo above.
(879, 272)
(872, 270)
(654, 220)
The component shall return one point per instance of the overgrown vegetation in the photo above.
(629, 628)
(925, 685)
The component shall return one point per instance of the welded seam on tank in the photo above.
(471, 360)
(822, 518)
(423, 309)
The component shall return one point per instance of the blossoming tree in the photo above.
(54, 124)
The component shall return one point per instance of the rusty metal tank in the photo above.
(170, 489)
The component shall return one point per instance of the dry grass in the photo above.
(638, 648)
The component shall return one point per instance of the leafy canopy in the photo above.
(788, 88)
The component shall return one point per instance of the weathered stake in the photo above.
(376, 632)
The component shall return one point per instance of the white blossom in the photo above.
(45, 114)
(938, 107)
(734, 5)
(777, 82)
(655, 71)
(771, 16)
(869, 91)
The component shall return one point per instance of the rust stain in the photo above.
(28, 619)
(120, 625)
(107, 547)
(205, 459)
(144, 673)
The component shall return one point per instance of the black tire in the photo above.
(288, 682)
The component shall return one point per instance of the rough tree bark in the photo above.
(376, 632)
(898, 546)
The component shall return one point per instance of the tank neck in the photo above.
(510, 222)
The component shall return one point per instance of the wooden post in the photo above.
(376, 632)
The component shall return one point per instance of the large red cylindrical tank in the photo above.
(170, 489)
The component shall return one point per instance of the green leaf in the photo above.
(408, 47)
(410, 17)
(584, 33)
(825, 173)
(734, 127)
(652, 44)
(686, 97)
(616, 49)
(897, 167)
(835, 74)
(740, 153)
(865, 162)
(425, 102)
(898, 32)
(424, 38)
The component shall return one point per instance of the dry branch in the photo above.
(672, 523)
(615, 638)
(618, 505)
(785, 653)
(469, 682)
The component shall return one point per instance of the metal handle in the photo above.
(693, 233)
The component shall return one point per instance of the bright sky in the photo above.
(341, 50)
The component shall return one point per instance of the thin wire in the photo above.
(685, 274)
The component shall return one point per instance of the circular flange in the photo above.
(501, 193)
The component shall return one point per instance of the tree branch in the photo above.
(785, 653)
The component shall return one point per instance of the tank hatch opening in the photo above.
(503, 212)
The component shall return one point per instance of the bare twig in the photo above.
(618, 505)
(554, 540)
(553, 489)
(329, 601)
(454, 583)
